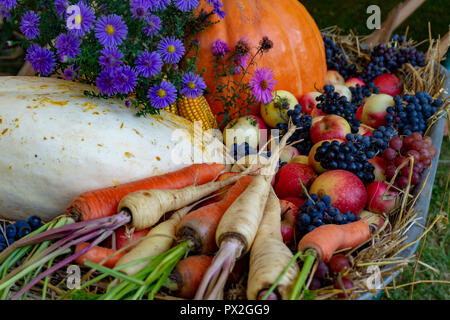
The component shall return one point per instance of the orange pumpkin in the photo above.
(297, 57)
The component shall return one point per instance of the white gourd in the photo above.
(55, 143)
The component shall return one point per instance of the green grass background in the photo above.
(351, 15)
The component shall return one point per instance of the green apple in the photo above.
(276, 111)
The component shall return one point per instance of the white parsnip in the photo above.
(148, 206)
(269, 255)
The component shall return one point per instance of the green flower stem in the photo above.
(310, 257)
(162, 280)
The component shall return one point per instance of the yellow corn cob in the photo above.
(173, 108)
(197, 109)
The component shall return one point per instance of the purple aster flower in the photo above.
(171, 50)
(29, 25)
(61, 6)
(139, 8)
(106, 81)
(158, 4)
(219, 48)
(67, 45)
(262, 85)
(125, 81)
(153, 25)
(186, 5)
(241, 63)
(83, 22)
(192, 85)
(69, 73)
(41, 59)
(128, 103)
(217, 8)
(111, 30)
(148, 64)
(110, 57)
(4, 12)
(8, 4)
(162, 95)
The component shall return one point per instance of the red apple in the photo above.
(308, 101)
(124, 238)
(352, 82)
(276, 111)
(380, 167)
(312, 162)
(346, 190)
(315, 113)
(300, 159)
(329, 127)
(287, 183)
(288, 153)
(359, 113)
(244, 129)
(296, 201)
(365, 130)
(374, 110)
(374, 219)
(389, 84)
(333, 77)
(343, 91)
(287, 232)
(288, 211)
(378, 200)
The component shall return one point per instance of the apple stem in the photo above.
(309, 259)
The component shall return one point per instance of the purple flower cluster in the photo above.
(220, 48)
(140, 8)
(171, 50)
(162, 95)
(262, 85)
(29, 25)
(148, 64)
(111, 30)
(122, 79)
(192, 85)
(83, 22)
(41, 59)
(110, 57)
(61, 7)
(186, 5)
(217, 8)
(153, 25)
(6, 6)
(67, 45)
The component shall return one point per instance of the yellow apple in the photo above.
(276, 111)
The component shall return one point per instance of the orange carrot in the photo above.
(326, 239)
(103, 202)
(97, 255)
(187, 275)
(199, 226)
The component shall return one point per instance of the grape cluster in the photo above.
(380, 138)
(410, 113)
(389, 58)
(303, 123)
(316, 212)
(414, 145)
(336, 59)
(351, 156)
(360, 93)
(18, 230)
(332, 102)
